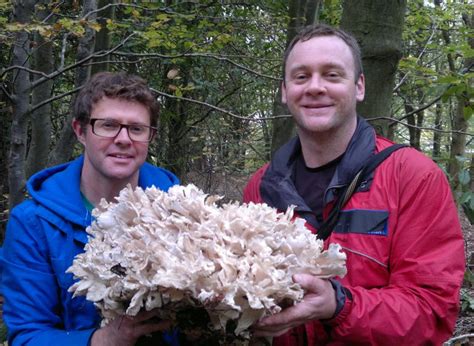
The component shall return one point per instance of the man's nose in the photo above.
(123, 135)
(316, 84)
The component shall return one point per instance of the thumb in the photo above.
(309, 282)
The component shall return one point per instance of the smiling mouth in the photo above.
(119, 156)
(317, 106)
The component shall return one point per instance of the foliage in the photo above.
(464, 194)
(467, 301)
(227, 61)
(3, 333)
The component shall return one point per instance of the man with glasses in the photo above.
(115, 118)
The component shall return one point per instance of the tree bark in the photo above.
(102, 38)
(65, 145)
(437, 134)
(378, 26)
(301, 13)
(459, 123)
(23, 11)
(5, 122)
(43, 59)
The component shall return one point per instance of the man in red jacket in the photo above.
(400, 230)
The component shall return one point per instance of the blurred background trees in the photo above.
(216, 69)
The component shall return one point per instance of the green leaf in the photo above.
(448, 79)
(468, 111)
(464, 177)
(465, 197)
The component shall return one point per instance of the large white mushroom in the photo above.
(179, 249)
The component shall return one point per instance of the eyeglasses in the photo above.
(109, 128)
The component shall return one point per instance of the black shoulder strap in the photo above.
(328, 225)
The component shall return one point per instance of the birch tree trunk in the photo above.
(65, 145)
(378, 26)
(23, 11)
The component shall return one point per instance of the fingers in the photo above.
(285, 318)
(148, 328)
(319, 302)
(270, 332)
(145, 322)
(144, 315)
(280, 323)
(309, 283)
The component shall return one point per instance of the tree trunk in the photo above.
(378, 26)
(301, 13)
(65, 145)
(437, 134)
(102, 38)
(460, 125)
(20, 97)
(5, 122)
(414, 142)
(38, 151)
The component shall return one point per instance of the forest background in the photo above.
(216, 69)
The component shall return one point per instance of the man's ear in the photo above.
(360, 88)
(79, 130)
(283, 92)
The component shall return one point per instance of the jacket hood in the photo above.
(56, 188)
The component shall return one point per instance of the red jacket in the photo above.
(402, 237)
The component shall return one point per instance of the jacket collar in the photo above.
(278, 190)
(56, 191)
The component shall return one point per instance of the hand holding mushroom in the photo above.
(179, 250)
(125, 330)
(318, 303)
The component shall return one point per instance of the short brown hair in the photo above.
(115, 85)
(318, 30)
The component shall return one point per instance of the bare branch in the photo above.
(418, 127)
(82, 61)
(422, 108)
(5, 91)
(200, 55)
(45, 20)
(67, 68)
(250, 117)
(417, 59)
(114, 5)
(27, 69)
(51, 99)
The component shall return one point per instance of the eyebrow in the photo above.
(115, 120)
(325, 65)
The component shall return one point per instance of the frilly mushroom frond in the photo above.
(152, 249)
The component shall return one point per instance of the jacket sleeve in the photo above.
(419, 303)
(32, 307)
(252, 189)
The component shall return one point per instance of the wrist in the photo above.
(341, 296)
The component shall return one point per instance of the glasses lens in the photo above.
(106, 127)
(139, 133)
(111, 128)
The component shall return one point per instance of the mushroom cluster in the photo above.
(179, 249)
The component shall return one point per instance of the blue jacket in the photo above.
(43, 236)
